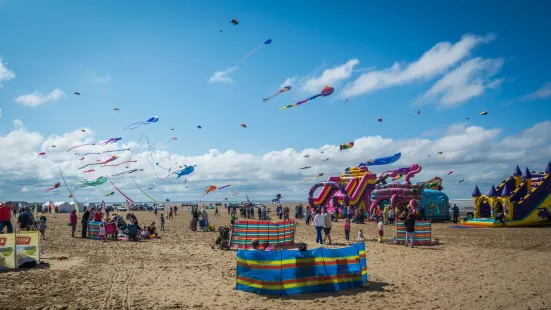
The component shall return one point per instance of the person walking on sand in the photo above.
(347, 229)
(380, 227)
(455, 211)
(410, 229)
(391, 216)
(327, 226)
(162, 222)
(73, 220)
(308, 215)
(318, 222)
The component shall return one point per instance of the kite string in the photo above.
(118, 190)
(145, 194)
(148, 160)
(249, 54)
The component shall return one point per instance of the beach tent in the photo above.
(64, 207)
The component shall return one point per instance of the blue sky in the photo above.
(155, 58)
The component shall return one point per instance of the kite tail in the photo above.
(87, 154)
(249, 54)
(146, 195)
(119, 150)
(118, 190)
(124, 162)
(80, 146)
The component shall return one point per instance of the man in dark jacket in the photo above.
(410, 228)
(84, 223)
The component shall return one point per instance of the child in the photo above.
(42, 227)
(102, 232)
(380, 225)
(391, 216)
(347, 229)
(360, 235)
(162, 222)
(170, 214)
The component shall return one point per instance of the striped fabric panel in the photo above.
(244, 231)
(93, 230)
(291, 272)
(423, 233)
(363, 260)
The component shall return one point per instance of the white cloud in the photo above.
(469, 80)
(96, 78)
(474, 153)
(0, 113)
(330, 77)
(431, 133)
(36, 98)
(542, 93)
(5, 73)
(437, 60)
(290, 81)
(24, 189)
(223, 76)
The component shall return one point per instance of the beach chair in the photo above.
(111, 232)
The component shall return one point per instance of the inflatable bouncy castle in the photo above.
(524, 199)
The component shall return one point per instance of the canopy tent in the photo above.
(61, 207)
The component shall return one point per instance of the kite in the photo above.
(306, 156)
(127, 172)
(70, 195)
(199, 127)
(269, 41)
(284, 89)
(83, 130)
(57, 185)
(167, 200)
(380, 120)
(221, 30)
(468, 118)
(243, 125)
(346, 146)
(112, 140)
(150, 188)
(382, 161)
(174, 138)
(110, 194)
(42, 153)
(442, 157)
(326, 91)
(234, 22)
(187, 170)
(276, 199)
(440, 152)
(145, 194)
(346, 101)
(77, 93)
(116, 109)
(451, 171)
(313, 178)
(210, 189)
(52, 145)
(101, 162)
(118, 190)
(85, 183)
(150, 120)
(80, 146)
(462, 180)
(484, 113)
(88, 171)
(116, 165)
(119, 150)
(224, 186)
(171, 128)
(306, 167)
(325, 159)
(418, 112)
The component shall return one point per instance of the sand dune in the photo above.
(471, 269)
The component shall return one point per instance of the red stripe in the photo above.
(299, 280)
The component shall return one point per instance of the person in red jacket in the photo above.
(5, 218)
(73, 220)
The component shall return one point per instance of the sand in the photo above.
(470, 269)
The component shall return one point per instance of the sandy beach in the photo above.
(470, 269)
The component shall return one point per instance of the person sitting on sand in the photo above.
(152, 230)
(254, 245)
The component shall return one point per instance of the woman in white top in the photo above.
(318, 222)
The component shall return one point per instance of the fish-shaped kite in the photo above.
(382, 161)
(326, 91)
(52, 188)
(284, 89)
(150, 120)
(112, 140)
(346, 146)
(210, 189)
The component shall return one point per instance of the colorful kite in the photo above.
(85, 183)
(127, 172)
(57, 185)
(284, 89)
(210, 189)
(116, 165)
(346, 146)
(101, 162)
(313, 178)
(326, 91)
(81, 145)
(110, 194)
(451, 171)
(267, 42)
(382, 161)
(112, 140)
(42, 153)
(88, 171)
(484, 113)
(187, 170)
(150, 120)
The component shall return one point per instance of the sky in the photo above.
(178, 61)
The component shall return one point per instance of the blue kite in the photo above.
(151, 120)
(382, 161)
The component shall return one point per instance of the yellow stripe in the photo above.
(293, 261)
(299, 284)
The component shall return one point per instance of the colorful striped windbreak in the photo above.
(244, 231)
(289, 272)
(422, 236)
(93, 230)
